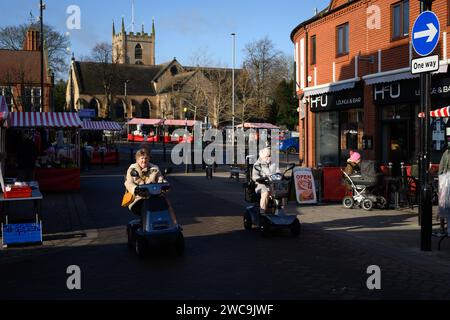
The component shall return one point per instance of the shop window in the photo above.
(400, 19)
(327, 138)
(7, 93)
(397, 112)
(342, 39)
(352, 132)
(313, 50)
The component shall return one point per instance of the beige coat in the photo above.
(149, 175)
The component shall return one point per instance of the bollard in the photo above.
(320, 183)
(390, 169)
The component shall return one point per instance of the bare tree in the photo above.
(108, 71)
(266, 67)
(57, 44)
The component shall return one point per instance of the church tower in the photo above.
(134, 48)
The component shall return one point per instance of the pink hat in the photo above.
(355, 157)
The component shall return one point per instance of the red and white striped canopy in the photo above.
(44, 120)
(147, 122)
(441, 113)
(249, 125)
(100, 126)
(180, 123)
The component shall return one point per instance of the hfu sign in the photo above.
(427, 64)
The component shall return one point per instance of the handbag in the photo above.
(128, 198)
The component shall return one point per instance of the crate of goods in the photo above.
(18, 192)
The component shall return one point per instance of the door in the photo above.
(396, 143)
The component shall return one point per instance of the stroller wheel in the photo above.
(348, 202)
(367, 204)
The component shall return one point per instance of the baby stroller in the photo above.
(364, 188)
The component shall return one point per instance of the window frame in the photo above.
(402, 33)
(346, 51)
(136, 48)
(313, 43)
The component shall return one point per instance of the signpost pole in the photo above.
(425, 209)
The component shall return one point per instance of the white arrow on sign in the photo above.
(430, 33)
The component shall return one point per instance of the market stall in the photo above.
(52, 141)
(144, 130)
(104, 150)
(172, 125)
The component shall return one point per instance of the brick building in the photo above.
(355, 84)
(20, 76)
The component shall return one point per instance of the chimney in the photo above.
(32, 41)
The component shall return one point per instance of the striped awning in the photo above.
(180, 123)
(44, 120)
(89, 125)
(248, 125)
(3, 108)
(439, 113)
(147, 122)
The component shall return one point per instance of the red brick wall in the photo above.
(366, 42)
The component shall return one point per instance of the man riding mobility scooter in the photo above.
(158, 226)
(274, 217)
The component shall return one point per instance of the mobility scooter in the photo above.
(159, 227)
(276, 218)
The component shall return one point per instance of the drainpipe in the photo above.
(305, 160)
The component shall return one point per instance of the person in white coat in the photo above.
(263, 168)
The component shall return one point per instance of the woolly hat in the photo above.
(355, 156)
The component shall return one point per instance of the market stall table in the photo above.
(21, 233)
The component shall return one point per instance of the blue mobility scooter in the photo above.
(275, 218)
(158, 227)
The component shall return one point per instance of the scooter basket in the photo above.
(279, 189)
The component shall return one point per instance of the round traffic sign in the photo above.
(425, 33)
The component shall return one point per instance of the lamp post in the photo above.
(41, 18)
(125, 94)
(233, 94)
(186, 168)
(164, 135)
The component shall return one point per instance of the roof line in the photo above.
(320, 15)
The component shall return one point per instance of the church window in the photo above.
(138, 52)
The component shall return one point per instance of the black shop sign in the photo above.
(408, 91)
(332, 101)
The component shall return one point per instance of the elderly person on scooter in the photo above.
(140, 173)
(263, 168)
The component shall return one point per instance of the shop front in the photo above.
(398, 106)
(339, 128)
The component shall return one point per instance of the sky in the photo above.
(184, 28)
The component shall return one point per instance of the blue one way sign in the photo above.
(425, 33)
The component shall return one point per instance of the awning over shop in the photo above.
(100, 126)
(249, 125)
(147, 122)
(330, 87)
(3, 109)
(44, 120)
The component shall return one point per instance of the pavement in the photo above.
(328, 260)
